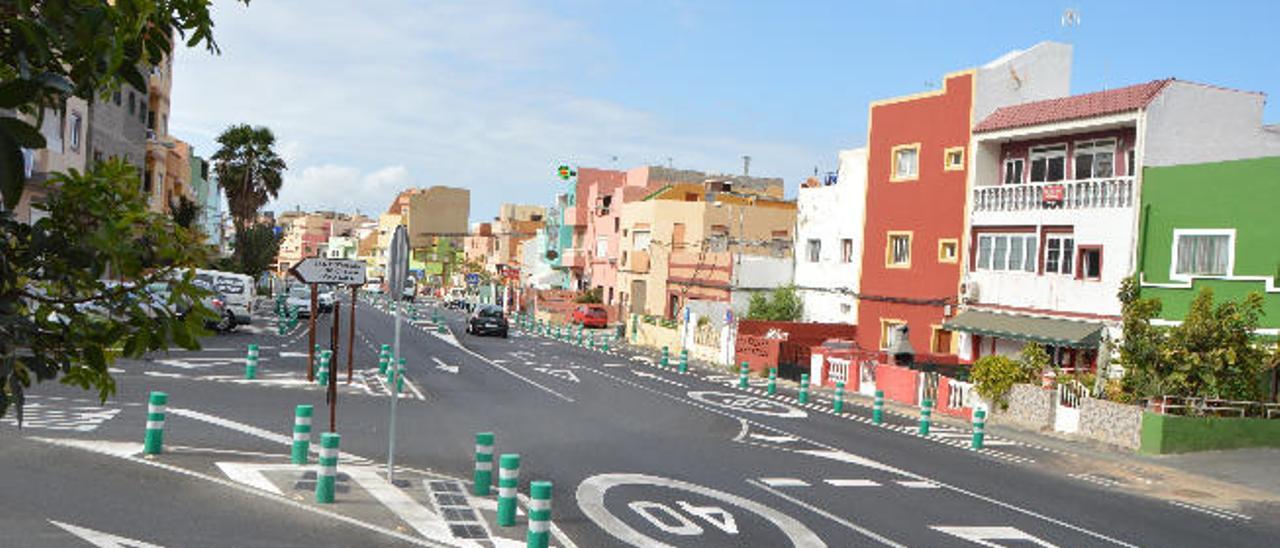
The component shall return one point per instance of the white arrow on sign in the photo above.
(445, 367)
(103, 540)
(314, 270)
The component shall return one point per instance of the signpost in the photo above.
(397, 273)
(473, 279)
(314, 271)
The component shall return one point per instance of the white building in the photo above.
(828, 254)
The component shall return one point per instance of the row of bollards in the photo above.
(539, 527)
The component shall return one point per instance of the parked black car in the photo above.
(487, 320)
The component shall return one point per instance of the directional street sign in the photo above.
(473, 278)
(314, 270)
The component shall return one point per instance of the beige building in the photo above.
(436, 211)
(515, 224)
(66, 147)
(162, 157)
(308, 235)
(387, 223)
(683, 240)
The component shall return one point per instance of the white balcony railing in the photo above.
(1115, 192)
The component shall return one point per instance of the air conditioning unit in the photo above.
(969, 291)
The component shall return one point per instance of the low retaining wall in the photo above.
(1111, 422)
(1174, 434)
(1030, 406)
(655, 336)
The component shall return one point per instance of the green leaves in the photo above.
(994, 376)
(19, 92)
(22, 133)
(782, 305)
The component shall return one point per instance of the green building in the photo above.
(1214, 225)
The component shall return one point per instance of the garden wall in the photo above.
(1030, 406)
(1110, 422)
(1175, 434)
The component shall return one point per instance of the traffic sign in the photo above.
(398, 261)
(314, 270)
(473, 278)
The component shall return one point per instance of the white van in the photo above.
(240, 291)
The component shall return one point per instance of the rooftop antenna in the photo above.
(670, 163)
(746, 166)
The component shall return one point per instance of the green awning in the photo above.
(1052, 331)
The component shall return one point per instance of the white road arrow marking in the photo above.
(103, 540)
(562, 374)
(983, 535)
(445, 367)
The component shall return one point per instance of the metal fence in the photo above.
(1211, 407)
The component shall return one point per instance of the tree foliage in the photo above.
(994, 376)
(1034, 360)
(1213, 353)
(54, 49)
(594, 295)
(255, 248)
(72, 285)
(782, 305)
(249, 171)
(184, 212)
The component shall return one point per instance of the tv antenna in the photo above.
(1070, 18)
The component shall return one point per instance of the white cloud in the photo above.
(369, 97)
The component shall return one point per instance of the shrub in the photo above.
(994, 376)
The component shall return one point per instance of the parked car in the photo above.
(238, 289)
(326, 299)
(487, 319)
(590, 315)
(300, 296)
(215, 301)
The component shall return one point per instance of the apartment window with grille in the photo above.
(813, 250)
(1013, 171)
(846, 250)
(1007, 252)
(906, 162)
(898, 250)
(1048, 163)
(1202, 253)
(1095, 159)
(1059, 254)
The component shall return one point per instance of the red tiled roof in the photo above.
(1074, 107)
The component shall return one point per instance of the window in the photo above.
(1048, 163)
(1007, 252)
(889, 332)
(1013, 171)
(1058, 253)
(602, 246)
(948, 250)
(151, 120)
(75, 131)
(953, 159)
(814, 250)
(640, 239)
(906, 162)
(846, 250)
(940, 342)
(898, 250)
(132, 107)
(1202, 253)
(616, 222)
(1095, 159)
(1090, 267)
(677, 235)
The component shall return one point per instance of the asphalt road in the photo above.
(638, 456)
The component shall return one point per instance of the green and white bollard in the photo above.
(979, 428)
(508, 481)
(322, 376)
(926, 413)
(327, 470)
(605, 343)
(684, 360)
(773, 381)
(877, 410)
(383, 362)
(591, 341)
(154, 441)
(743, 371)
(837, 404)
(301, 434)
(803, 396)
(666, 356)
(482, 480)
(539, 535)
(440, 328)
(579, 340)
(251, 363)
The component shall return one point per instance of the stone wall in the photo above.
(1110, 422)
(1029, 407)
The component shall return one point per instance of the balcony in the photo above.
(574, 258)
(1114, 192)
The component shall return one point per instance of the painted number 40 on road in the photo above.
(673, 522)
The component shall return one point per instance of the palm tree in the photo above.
(249, 171)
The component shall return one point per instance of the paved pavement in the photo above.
(638, 455)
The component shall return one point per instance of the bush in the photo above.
(591, 296)
(995, 375)
(780, 305)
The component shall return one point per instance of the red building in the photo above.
(915, 214)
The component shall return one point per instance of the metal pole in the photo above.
(351, 335)
(395, 395)
(311, 343)
(333, 374)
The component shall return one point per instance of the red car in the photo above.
(590, 315)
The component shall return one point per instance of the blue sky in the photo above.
(370, 97)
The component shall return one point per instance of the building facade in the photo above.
(828, 257)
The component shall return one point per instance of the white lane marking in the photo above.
(165, 375)
(591, 494)
(251, 473)
(101, 539)
(1215, 512)
(90, 445)
(784, 482)
(853, 526)
(851, 483)
(293, 354)
(508, 371)
(615, 365)
(983, 535)
(427, 523)
(918, 484)
(658, 378)
(773, 439)
(445, 367)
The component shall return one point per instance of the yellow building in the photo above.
(685, 240)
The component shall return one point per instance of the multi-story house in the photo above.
(308, 235)
(917, 165)
(158, 180)
(715, 241)
(66, 147)
(515, 224)
(829, 240)
(1055, 210)
(576, 234)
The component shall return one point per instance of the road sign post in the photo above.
(315, 271)
(397, 273)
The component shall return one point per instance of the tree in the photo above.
(54, 49)
(184, 212)
(1034, 361)
(782, 304)
(255, 249)
(249, 171)
(74, 285)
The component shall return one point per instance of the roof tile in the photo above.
(1074, 107)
